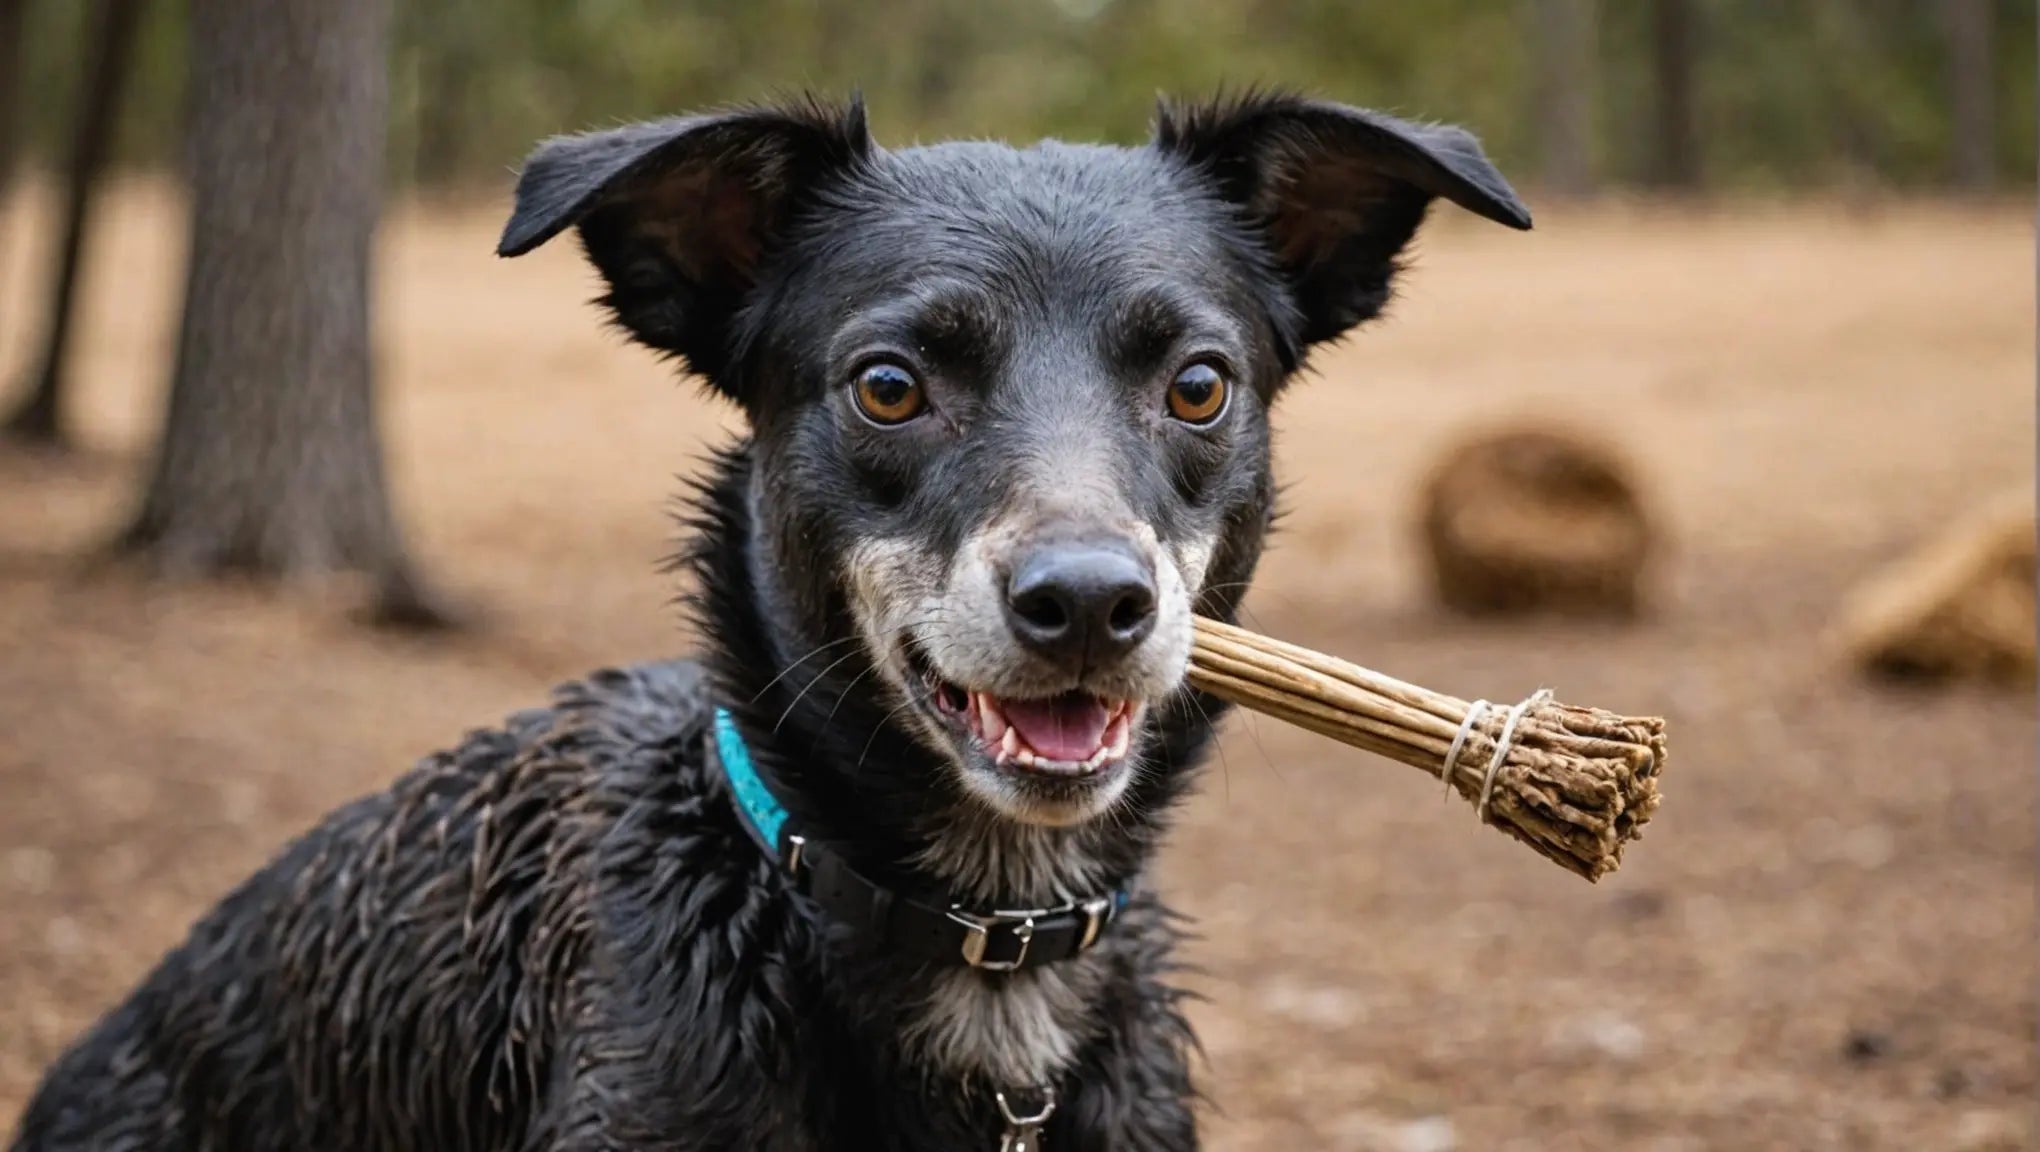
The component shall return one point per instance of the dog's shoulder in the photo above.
(516, 811)
(481, 857)
(545, 762)
(430, 934)
(608, 722)
(641, 705)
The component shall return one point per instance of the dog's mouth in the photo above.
(1068, 736)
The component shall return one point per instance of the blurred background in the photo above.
(298, 483)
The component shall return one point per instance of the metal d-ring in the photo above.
(1034, 1121)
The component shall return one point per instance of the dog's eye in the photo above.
(888, 394)
(1198, 395)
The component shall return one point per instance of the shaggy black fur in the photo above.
(557, 936)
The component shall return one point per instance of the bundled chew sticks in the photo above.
(1574, 783)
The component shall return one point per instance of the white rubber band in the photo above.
(1474, 712)
(1494, 766)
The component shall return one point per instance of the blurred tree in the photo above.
(39, 419)
(1677, 139)
(1761, 94)
(448, 81)
(1973, 125)
(270, 463)
(1563, 33)
(13, 54)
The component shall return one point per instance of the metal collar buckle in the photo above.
(977, 933)
(1095, 911)
(978, 928)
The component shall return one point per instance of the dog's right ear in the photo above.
(679, 214)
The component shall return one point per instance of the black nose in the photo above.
(1081, 604)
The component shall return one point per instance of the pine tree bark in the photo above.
(13, 26)
(1676, 159)
(39, 418)
(270, 463)
(1563, 35)
(1973, 123)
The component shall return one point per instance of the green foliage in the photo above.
(1790, 92)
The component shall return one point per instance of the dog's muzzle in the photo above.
(1081, 604)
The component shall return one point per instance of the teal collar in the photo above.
(937, 932)
(761, 809)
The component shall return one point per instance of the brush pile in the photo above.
(1960, 607)
(1528, 519)
(1576, 784)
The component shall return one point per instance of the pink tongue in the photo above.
(1067, 727)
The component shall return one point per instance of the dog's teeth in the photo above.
(995, 728)
(1009, 747)
(1120, 737)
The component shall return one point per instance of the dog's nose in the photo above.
(1081, 604)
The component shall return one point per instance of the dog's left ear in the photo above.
(679, 214)
(1336, 192)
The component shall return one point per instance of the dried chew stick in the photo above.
(1574, 783)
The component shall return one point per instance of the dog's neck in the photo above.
(824, 733)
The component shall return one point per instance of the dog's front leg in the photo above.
(687, 1066)
(1132, 1091)
(625, 1107)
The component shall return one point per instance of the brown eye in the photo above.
(1198, 395)
(888, 394)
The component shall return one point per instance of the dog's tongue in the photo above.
(1066, 727)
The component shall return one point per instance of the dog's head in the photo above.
(1010, 406)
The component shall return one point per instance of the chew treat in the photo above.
(1576, 784)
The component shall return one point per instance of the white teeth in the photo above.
(993, 721)
(988, 721)
(1118, 736)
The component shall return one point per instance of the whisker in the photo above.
(1288, 601)
(820, 648)
(876, 729)
(1224, 761)
(930, 617)
(788, 670)
(816, 679)
(840, 697)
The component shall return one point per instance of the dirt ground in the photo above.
(1825, 940)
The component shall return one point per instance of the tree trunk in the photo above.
(1676, 159)
(13, 26)
(1563, 38)
(1973, 122)
(270, 463)
(39, 419)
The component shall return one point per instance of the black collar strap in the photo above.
(996, 941)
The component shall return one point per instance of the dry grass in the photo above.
(1826, 940)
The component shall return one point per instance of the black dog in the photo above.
(873, 879)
